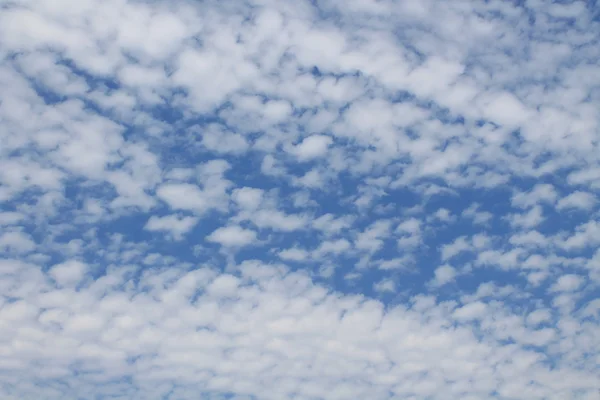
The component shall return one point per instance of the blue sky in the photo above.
(299, 200)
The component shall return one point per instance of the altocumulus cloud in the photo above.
(299, 200)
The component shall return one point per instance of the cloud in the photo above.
(183, 196)
(278, 220)
(187, 196)
(443, 275)
(470, 311)
(299, 200)
(248, 198)
(17, 242)
(578, 199)
(223, 142)
(247, 332)
(174, 224)
(312, 147)
(68, 273)
(232, 236)
(386, 285)
(567, 283)
(293, 254)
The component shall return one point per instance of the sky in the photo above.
(299, 200)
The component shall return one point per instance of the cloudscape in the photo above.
(324, 199)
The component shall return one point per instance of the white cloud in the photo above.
(223, 286)
(586, 234)
(539, 316)
(11, 218)
(313, 179)
(540, 193)
(182, 196)
(187, 196)
(232, 236)
(293, 254)
(372, 239)
(530, 219)
(270, 166)
(278, 220)
(69, 273)
(578, 199)
(176, 225)
(332, 247)
(16, 241)
(455, 248)
(331, 225)
(248, 198)
(470, 311)
(237, 322)
(384, 286)
(567, 283)
(223, 142)
(443, 275)
(311, 147)
(479, 217)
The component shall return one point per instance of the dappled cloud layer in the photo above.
(299, 199)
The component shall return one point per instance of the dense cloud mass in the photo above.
(278, 200)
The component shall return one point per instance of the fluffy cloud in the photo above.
(312, 147)
(232, 236)
(443, 275)
(578, 199)
(202, 330)
(68, 273)
(173, 224)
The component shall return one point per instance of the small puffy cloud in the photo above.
(69, 273)
(470, 311)
(411, 233)
(11, 217)
(334, 247)
(444, 215)
(222, 141)
(385, 286)
(313, 179)
(248, 198)
(567, 283)
(278, 220)
(270, 166)
(182, 196)
(223, 286)
(478, 217)
(330, 225)
(232, 236)
(294, 254)
(529, 219)
(541, 193)
(458, 246)
(372, 239)
(504, 109)
(17, 242)
(312, 147)
(539, 316)
(443, 275)
(176, 225)
(403, 262)
(586, 234)
(578, 199)
(412, 226)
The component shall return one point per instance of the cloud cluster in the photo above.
(266, 332)
(299, 200)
